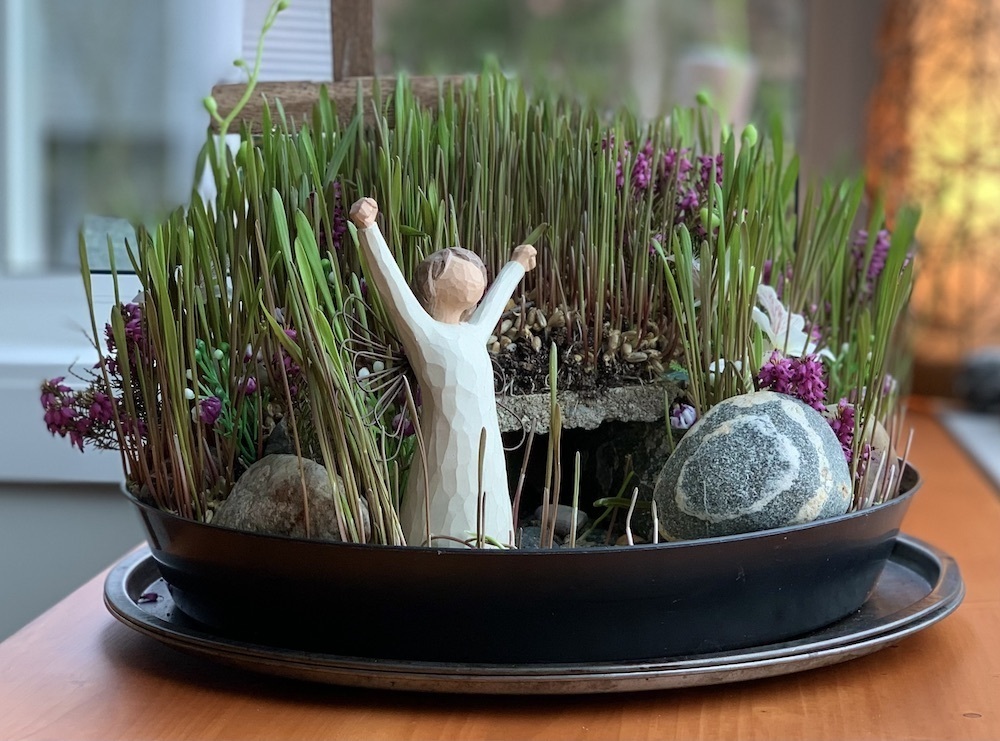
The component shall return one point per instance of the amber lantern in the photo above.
(934, 139)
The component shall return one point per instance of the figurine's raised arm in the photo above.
(402, 306)
(488, 313)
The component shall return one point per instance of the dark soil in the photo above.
(524, 370)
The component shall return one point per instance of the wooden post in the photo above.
(841, 71)
(351, 29)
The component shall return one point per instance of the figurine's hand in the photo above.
(525, 254)
(363, 212)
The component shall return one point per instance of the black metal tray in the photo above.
(919, 586)
(527, 606)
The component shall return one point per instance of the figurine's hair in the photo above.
(429, 270)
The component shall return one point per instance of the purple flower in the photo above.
(335, 211)
(135, 338)
(402, 426)
(132, 314)
(414, 391)
(865, 457)
(682, 416)
(810, 382)
(657, 238)
(249, 385)
(706, 163)
(776, 374)
(292, 370)
(78, 431)
(888, 385)
(52, 391)
(58, 419)
(607, 143)
(777, 280)
(802, 378)
(209, 409)
(101, 411)
(669, 161)
(688, 202)
(880, 251)
(674, 167)
(842, 423)
(63, 415)
(338, 221)
(109, 338)
(134, 427)
(642, 170)
(57, 400)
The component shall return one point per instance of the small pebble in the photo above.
(564, 519)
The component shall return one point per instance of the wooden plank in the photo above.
(298, 98)
(353, 41)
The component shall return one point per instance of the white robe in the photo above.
(455, 373)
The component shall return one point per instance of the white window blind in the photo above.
(297, 47)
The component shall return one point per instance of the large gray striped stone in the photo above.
(753, 462)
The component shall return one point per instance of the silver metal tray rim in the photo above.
(947, 591)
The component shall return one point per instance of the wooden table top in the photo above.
(76, 673)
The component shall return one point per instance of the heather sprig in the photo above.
(803, 378)
(869, 257)
(78, 415)
(842, 420)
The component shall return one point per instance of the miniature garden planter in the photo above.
(526, 606)
(659, 254)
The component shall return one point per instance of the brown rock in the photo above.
(883, 466)
(268, 499)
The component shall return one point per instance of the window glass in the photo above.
(119, 120)
(649, 53)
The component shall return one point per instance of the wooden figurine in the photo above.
(444, 334)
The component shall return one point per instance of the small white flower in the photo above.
(378, 366)
(784, 330)
(188, 394)
(719, 366)
(363, 373)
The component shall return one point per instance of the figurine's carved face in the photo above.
(461, 285)
(449, 283)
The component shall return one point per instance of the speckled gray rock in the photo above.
(753, 462)
(267, 498)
